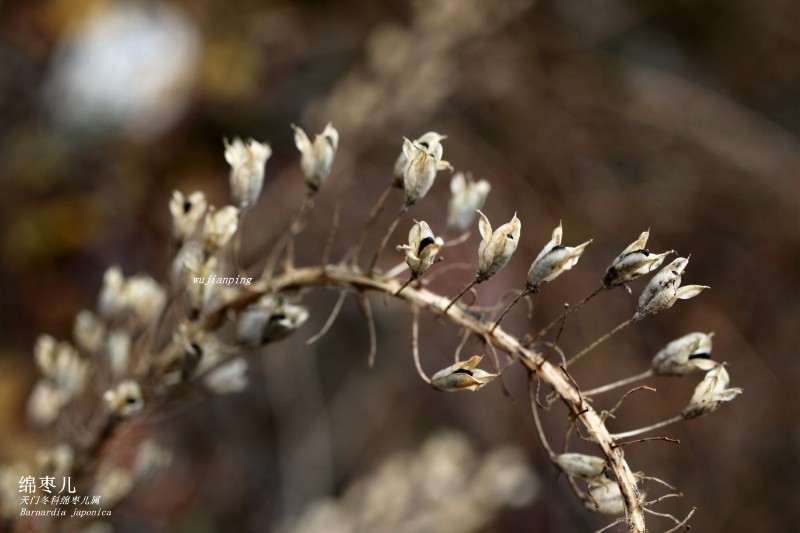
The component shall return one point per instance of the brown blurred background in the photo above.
(612, 116)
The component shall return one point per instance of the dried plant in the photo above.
(150, 346)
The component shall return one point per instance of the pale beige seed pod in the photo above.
(581, 465)
(61, 363)
(118, 351)
(316, 159)
(151, 458)
(421, 168)
(110, 302)
(422, 248)
(45, 403)
(186, 212)
(467, 196)
(688, 354)
(497, 247)
(710, 393)
(88, 331)
(220, 225)
(605, 497)
(144, 298)
(199, 280)
(228, 378)
(553, 260)
(112, 484)
(634, 261)
(462, 376)
(665, 289)
(429, 141)
(268, 320)
(56, 461)
(248, 161)
(186, 260)
(125, 399)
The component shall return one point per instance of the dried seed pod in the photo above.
(144, 298)
(186, 212)
(606, 498)
(711, 393)
(665, 289)
(634, 261)
(428, 141)
(112, 484)
(118, 350)
(45, 403)
(462, 376)
(268, 320)
(248, 161)
(688, 354)
(125, 399)
(199, 278)
(228, 378)
(60, 363)
(497, 247)
(88, 331)
(220, 225)
(422, 248)
(421, 168)
(316, 159)
(110, 302)
(466, 198)
(55, 461)
(553, 260)
(581, 465)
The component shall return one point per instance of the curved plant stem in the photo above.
(418, 297)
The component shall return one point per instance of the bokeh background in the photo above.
(610, 115)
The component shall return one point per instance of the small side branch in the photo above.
(331, 319)
(373, 216)
(567, 311)
(415, 343)
(295, 226)
(524, 292)
(366, 307)
(620, 383)
(599, 341)
(463, 291)
(639, 431)
(386, 238)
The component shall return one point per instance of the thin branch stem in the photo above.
(683, 523)
(536, 420)
(648, 439)
(331, 319)
(415, 344)
(464, 339)
(621, 383)
(467, 287)
(294, 228)
(404, 285)
(326, 253)
(373, 216)
(524, 292)
(385, 240)
(366, 307)
(599, 341)
(567, 311)
(639, 431)
(610, 412)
